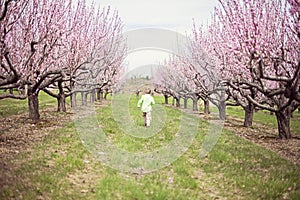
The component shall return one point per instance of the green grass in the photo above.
(62, 168)
(135, 144)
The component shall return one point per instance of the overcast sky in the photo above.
(175, 15)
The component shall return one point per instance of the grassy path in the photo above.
(60, 167)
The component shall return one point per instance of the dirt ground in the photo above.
(19, 134)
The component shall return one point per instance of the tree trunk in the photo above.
(272, 113)
(105, 95)
(92, 96)
(99, 94)
(195, 104)
(11, 91)
(222, 110)
(283, 122)
(173, 101)
(61, 100)
(33, 105)
(185, 101)
(84, 98)
(166, 99)
(177, 102)
(73, 100)
(249, 110)
(206, 107)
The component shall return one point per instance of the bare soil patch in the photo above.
(19, 134)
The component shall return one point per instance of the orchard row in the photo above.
(62, 45)
(247, 56)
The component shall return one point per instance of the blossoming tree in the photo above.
(261, 39)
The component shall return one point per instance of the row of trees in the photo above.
(248, 56)
(58, 44)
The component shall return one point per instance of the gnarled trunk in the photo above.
(33, 105)
(61, 98)
(283, 122)
(249, 110)
(206, 106)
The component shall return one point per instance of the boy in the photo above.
(146, 101)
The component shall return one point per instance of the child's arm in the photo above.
(140, 102)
